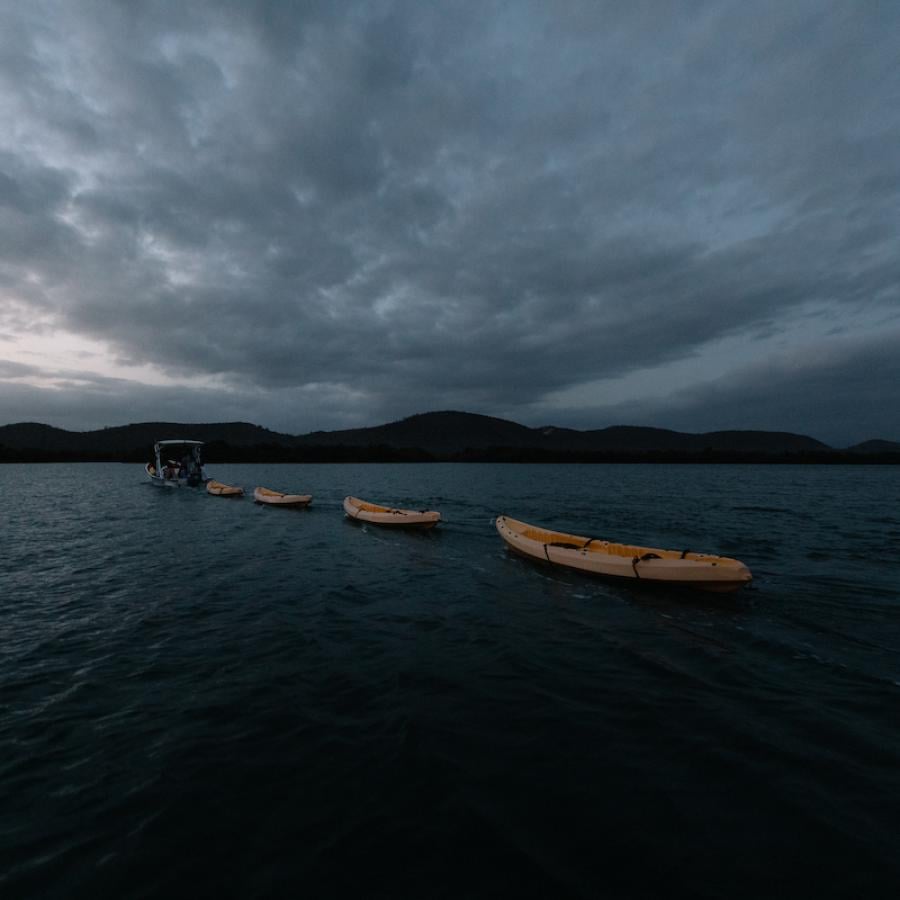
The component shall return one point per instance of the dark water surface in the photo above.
(200, 694)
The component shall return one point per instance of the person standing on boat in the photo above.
(195, 470)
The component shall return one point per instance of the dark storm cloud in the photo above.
(406, 207)
(10, 369)
(825, 392)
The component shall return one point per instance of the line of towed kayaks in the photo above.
(584, 554)
(594, 556)
(355, 508)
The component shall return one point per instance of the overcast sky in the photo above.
(330, 214)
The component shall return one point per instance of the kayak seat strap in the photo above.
(563, 545)
(640, 559)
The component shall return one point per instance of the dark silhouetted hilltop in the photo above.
(875, 447)
(130, 438)
(453, 432)
(436, 432)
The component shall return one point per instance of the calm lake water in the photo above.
(200, 694)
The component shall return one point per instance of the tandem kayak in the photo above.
(599, 557)
(387, 515)
(276, 498)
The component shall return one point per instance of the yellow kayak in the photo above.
(276, 498)
(599, 557)
(387, 515)
(217, 489)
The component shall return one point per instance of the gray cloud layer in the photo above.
(352, 212)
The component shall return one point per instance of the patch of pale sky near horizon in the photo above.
(60, 352)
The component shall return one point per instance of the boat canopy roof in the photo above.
(166, 443)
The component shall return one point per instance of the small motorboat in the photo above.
(217, 489)
(188, 472)
(599, 557)
(276, 498)
(387, 515)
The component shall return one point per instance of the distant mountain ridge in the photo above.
(876, 446)
(453, 432)
(33, 435)
(445, 434)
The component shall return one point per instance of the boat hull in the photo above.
(274, 498)
(363, 511)
(718, 574)
(159, 481)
